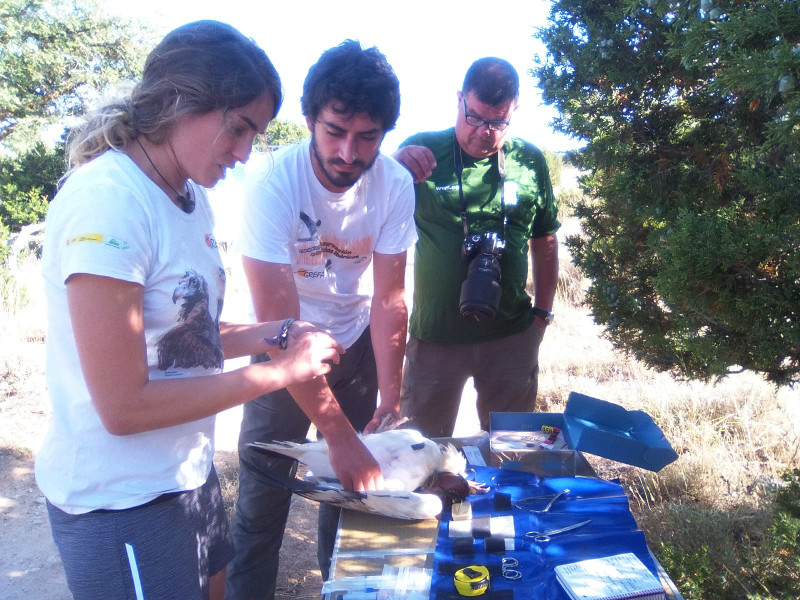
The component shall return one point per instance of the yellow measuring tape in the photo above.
(472, 580)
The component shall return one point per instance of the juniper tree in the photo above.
(691, 218)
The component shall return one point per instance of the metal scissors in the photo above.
(522, 501)
(544, 536)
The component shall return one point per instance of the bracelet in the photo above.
(282, 339)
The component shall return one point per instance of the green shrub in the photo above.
(775, 566)
(4, 233)
(690, 112)
(21, 207)
(728, 555)
(690, 571)
(27, 183)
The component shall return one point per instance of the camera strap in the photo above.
(458, 159)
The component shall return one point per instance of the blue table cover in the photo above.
(612, 530)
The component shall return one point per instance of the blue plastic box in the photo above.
(597, 427)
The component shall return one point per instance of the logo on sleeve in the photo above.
(99, 238)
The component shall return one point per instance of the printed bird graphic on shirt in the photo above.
(194, 341)
(311, 225)
(410, 464)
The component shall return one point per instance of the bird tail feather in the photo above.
(287, 449)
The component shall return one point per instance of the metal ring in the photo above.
(541, 539)
(537, 536)
(509, 561)
(512, 574)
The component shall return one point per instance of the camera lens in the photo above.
(480, 292)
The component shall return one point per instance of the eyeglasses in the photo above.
(476, 122)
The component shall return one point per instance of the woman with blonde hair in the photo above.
(135, 347)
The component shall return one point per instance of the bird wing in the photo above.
(402, 505)
(408, 460)
(396, 504)
(312, 454)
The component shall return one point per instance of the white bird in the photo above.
(408, 461)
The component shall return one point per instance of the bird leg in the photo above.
(477, 487)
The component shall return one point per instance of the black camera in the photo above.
(480, 292)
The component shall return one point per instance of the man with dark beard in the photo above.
(313, 223)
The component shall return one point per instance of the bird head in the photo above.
(449, 482)
(190, 285)
(450, 487)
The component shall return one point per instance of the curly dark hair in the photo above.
(355, 80)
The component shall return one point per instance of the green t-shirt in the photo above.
(439, 270)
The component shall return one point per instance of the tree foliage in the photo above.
(691, 113)
(282, 132)
(27, 183)
(555, 166)
(55, 56)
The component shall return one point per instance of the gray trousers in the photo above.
(261, 510)
(170, 546)
(505, 373)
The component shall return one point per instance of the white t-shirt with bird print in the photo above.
(110, 219)
(328, 238)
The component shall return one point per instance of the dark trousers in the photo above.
(262, 510)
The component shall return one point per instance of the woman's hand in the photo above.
(309, 353)
(298, 328)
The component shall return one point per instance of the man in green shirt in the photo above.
(475, 184)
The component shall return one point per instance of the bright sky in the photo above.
(429, 43)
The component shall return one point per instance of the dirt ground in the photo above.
(30, 568)
(29, 561)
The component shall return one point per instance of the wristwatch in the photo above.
(546, 316)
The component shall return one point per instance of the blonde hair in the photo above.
(197, 68)
(109, 127)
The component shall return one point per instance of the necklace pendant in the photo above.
(187, 202)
